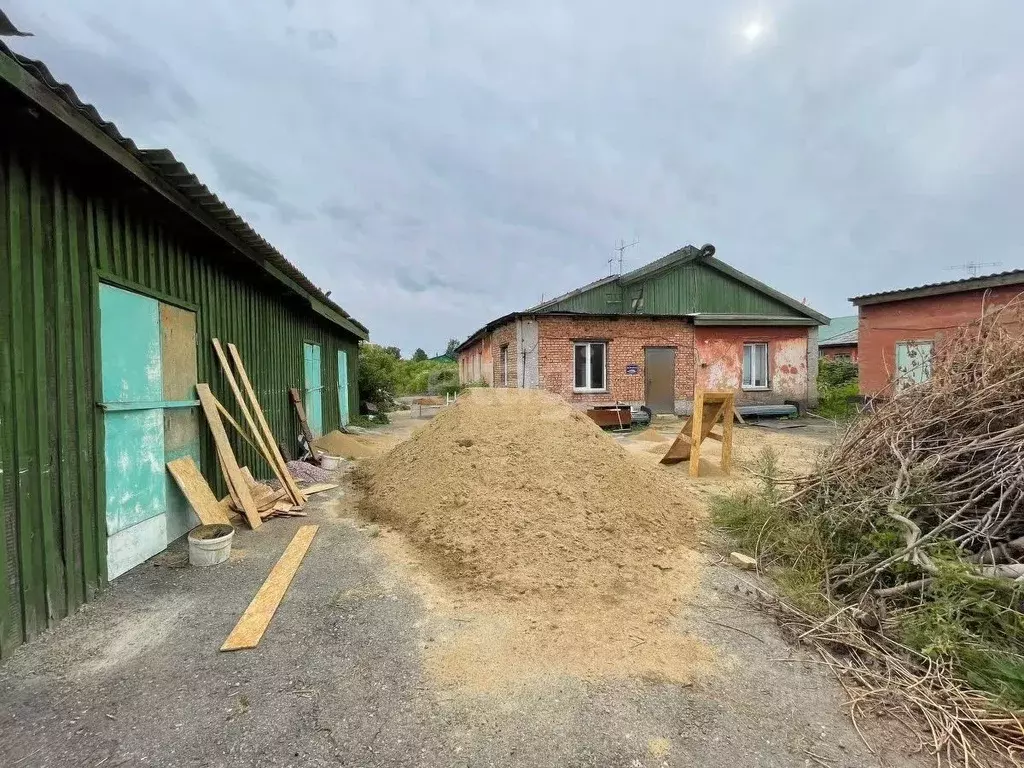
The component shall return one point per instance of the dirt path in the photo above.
(355, 670)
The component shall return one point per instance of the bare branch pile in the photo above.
(941, 463)
(919, 509)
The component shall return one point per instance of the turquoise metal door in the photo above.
(913, 363)
(343, 386)
(314, 389)
(134, 431)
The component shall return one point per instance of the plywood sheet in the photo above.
(178, 352)
(197, 491)
(254, 622)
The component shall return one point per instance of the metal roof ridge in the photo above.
(205, 201)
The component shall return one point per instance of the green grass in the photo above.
(363, 420)
(976, 625)
(835, 402)
(787, 548)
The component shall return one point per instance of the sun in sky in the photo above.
(753, 30)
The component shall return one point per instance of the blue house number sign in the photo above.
(632, 369)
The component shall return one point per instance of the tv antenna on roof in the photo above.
(973, 267)
(621, 247)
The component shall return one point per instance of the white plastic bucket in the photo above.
(210, 544)
(330, 463)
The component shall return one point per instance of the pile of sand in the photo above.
(336, 443)
(516, 493)
(651, 435)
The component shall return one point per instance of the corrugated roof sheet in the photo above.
(178, 177)
(966, 284)
(838, 326)
(840, 340)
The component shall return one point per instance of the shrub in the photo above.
(837, 389)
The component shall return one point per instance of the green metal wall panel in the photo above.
(604, 299)
(681, 290)
(60, 236)
(695, 287)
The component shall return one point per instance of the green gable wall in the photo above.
(695, 287)
(680, 290)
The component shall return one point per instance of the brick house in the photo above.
(838, 339)
(898, 330)
(653, 335)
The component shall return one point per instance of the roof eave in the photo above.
(756, 284)
(942, 289)
(131, 159)
(706, 319)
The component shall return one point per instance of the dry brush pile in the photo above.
(914, 531)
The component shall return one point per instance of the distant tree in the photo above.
(452, 344)
(377, 375)
(419, 355)
(395, 352)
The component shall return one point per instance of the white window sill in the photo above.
(756, 389)
(577, 391)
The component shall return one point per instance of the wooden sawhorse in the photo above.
(709, 407)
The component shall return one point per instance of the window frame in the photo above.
(503, 353)
(588, 344)
(752, 387)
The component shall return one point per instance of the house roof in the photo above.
(706, 254)
(1012, 277)
(162, 172)
(576, 292)
(841, 331)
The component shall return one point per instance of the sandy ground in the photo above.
(366, 664)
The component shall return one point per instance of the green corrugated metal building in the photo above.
(117, 268)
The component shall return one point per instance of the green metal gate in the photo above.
(314, 389)
(343, 386)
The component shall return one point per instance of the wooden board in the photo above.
(309, 490)
(227, 456)
(284, 475)
(270, 456)
(227, 481)
(231, 420)
(197, 491)
(268, 500)
(254, 622)
(300, 411)
(247, 476)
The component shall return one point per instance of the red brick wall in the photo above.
(719, 360)
(506, 334)
(850, 350)
(626, 339)
(475, 361)
(882, 326)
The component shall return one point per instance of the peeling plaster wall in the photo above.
(719, 361)
(529, 352)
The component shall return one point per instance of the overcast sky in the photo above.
(438, 164)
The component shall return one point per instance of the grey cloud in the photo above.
(346, 215)
(439, 166)
(321, 39)
(243, 178)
